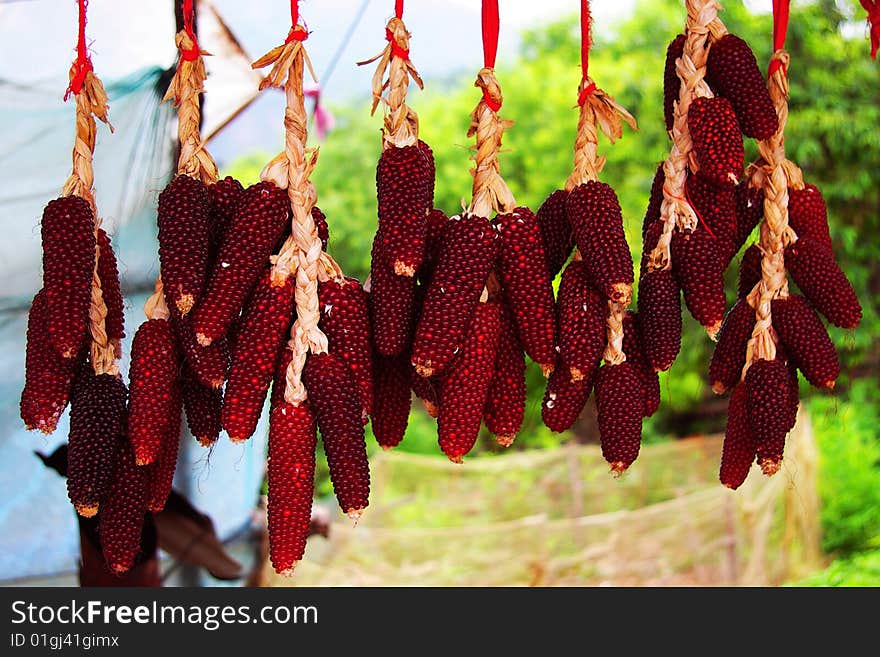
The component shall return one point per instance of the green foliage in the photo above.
(856, 571)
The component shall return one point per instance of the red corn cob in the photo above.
(749, 271)
(527, 287)
(427, 389)
(108, 273)
(506, 402)
(464, 386)
(154, 409)
(700, 273)
(334, 399)
(208, 364)
(68, 239)
(223, 196)
(807, 214)
(652, 213)
(161, 471)
(634, 350)
(432, 171)
(769, 407)
(47, 375)
(650, 240)
(320, 220)
(345, 320)
(659, 306)
(738, 450)
(732, 72)
(121, 520)
(717, 142)
(597, 223)
(671, 82)
(564, 400)
(291, 481)
(402, 186)
(392, 304)
(184, 241)
(203, 406)
(806, 341)
(260, 218)
(620, 404)
(749, 210)
(436, 222)
(97, 423)
(729, 355)
(469, 249)
(264, 325)
(392, 399)
(580, 315)
(716, 208)
(555, 231)
(820, 278)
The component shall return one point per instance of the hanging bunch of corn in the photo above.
(595, 289)
(699, 213)
(322, 374)
(770, 334)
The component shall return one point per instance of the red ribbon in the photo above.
(586, 42)
(490, 32)
(296, 33)
(396, 50)
(192, 53)
(873, 9)
(398, 8)
(780, 28)
(83, 63)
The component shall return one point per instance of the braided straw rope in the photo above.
(301, 255)
(675, 211)
(91, 102)
(600, 111)
(775, 175)
(401, 122)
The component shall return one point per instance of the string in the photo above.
(398, 8)
(83, 64)
(490, 32)
(191, 53)
(780, 28)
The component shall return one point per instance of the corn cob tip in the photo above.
(203, 339)
(456, 458)
(355, 515)
(144, 460)
(621, 293)
(238, 440)
(205, 441)
(156, 506)
(425, 370)
(185, 303)
(618, 468)
(119, 568)
(770, 466)
(403, 269)
(289, 571)
(576, 374)
(86, 510)
(718, 387)
(505, 441)
(431, 408)
(712, 330)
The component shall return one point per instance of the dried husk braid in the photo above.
(401, 123)
(91, 102)
(775, 175)
(675, 211)
(301, 255)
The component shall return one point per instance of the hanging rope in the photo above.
(873, 19)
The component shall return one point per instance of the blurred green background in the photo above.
(832, 134)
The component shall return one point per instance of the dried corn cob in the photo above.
(203, 406)
(555, 231)
(154, 408)
(806, 341)
(469, 248)
(402, 179)
(815, 271)
(432, 171)
(121, 520)
(749, 271)
(436, 222)
(717, 142)
(732, 72)
(729, 355)
(320, 220)
(716, 208)
(506, 402)
(749, 210)
(427, 389)
(264, 324)
(208, 364)
(620, 404)
(597, 224)
(68, 239)
(184, 241)
(650, 240)
(770, 410)
(161, 471)
(291, 481)
(738, 450)
(333, 397)
(108, 274)
(671, 82)
(634, 350)
(527, 287)
(807, 214)
(345, 320)
(652, 213)
(564, 400)
(223, 196)
(659, 306)
(464, 386)
(580, 315)
(259, 220)
(48, 376)
(392, 304)
(700, 272)
(392, 398)
(97, 423)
